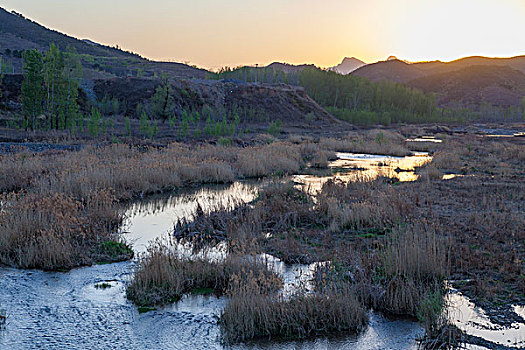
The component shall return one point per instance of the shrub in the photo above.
(275, 128)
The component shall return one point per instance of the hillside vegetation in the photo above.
(473, 94)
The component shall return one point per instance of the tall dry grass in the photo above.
(251, 314)
(383, 142)
(72, 187)
(415, 264)
(55, 231)
(164, 275)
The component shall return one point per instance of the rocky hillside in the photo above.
(254, 102)
(347, 66)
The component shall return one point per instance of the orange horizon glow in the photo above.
(213, 34)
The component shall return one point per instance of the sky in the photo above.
(213, 33)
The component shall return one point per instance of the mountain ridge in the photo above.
(347, 65)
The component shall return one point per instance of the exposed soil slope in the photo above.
(265, 102)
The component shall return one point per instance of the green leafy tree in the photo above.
(54, 66)
(62, 77)
(32, 87)
(127, 125)
(147, 127)
(95, 122)
(162, 103)
(144, 123)
(275, 128)
(208, 128)
(184, 128)
(71, 78)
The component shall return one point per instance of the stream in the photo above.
(55, 310)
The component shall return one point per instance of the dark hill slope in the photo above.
(20, 33)
(402, 72)
(435, 67)
(392, 70)
(474, 85)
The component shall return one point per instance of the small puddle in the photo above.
(473, 320)
(352, 167)
(425, 139)
(156, 216)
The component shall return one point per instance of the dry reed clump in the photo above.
(415, 262)
(320, 159)
(445, 160)
(430, 173)
(164, 275)
(440, 333)
(3, 319)
(131, 171)
(251, 314)
(274, 222)
(82, 179)
(362, 204)
(288, 223)
(274, 159)
(17, 170)
(382, 142)
(55, 231)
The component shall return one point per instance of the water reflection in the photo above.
(381, 333)
(351, 167)
(425, 139)
(473, 320)
(155, 217)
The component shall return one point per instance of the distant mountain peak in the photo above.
(347, 65)
(351, 59)
(394, 58)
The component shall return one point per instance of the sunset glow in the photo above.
(212, 34)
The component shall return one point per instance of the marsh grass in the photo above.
(251, 314)
(383, 142)
(163, 275)
(55, 231)
(387, 245)
(415, 263)
(439, 332)
(66, 203)
(3, 319)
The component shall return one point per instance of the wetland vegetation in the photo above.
(375, 242)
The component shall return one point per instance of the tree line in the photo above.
(268, 75)
(50, 88)
(361, 101)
